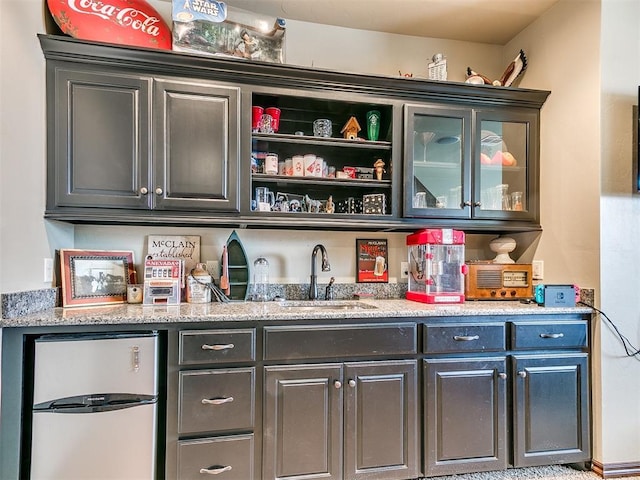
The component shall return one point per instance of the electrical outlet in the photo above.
(537, 268)
(404, 269)
(213, 267)
(48, 270)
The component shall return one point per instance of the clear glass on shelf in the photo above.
(503, 165)
(437, 162)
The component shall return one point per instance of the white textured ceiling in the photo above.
(482, 21)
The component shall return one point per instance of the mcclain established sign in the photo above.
(187, 248)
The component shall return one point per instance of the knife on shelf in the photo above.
(224, 276)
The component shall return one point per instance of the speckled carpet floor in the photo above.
(554, 472)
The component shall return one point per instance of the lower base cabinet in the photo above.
(551, 414)
(349, 421)
(465, 410)
(487, 411)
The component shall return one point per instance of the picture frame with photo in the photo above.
(95, 277)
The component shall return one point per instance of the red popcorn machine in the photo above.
(436, 266)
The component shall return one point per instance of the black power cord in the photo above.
(629, 348)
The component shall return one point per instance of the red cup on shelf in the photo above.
(256, 114)
(275, 115)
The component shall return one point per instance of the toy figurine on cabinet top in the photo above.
(436, 266)
(210, 27)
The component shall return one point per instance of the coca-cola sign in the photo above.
(128, 22)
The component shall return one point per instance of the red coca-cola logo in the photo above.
(128, 22)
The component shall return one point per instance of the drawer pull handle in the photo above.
(217, 401)
(551, 335)
(227, 346)
(465, 338)
(215, 471)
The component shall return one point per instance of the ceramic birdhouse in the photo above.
(351, 129)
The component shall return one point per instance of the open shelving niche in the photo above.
(297, 115)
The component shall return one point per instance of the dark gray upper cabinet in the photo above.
(142, 136)
(471, 163)
(99, 131)
(196, 130)
(116, 145)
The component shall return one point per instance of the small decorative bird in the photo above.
(513, 71)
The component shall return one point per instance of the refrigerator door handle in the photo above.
(99, 402)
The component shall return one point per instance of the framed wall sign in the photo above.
(371, 261)
(95, 277)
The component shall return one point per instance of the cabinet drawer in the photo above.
(572, 334)
(337, 341)
(464, 337)
(226, 458)
(216, 400)
(217, 346)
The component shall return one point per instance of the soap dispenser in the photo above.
(260, 280)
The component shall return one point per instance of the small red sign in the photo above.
(127, 22)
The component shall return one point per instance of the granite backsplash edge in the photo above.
(24, 303)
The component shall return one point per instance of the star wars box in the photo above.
(210, 27)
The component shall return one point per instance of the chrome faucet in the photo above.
(313, 287)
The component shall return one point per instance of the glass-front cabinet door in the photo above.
(471, 163)
(437, 159)
(505, 157)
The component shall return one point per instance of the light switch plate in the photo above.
(404, 269)
(537, 269)
(48, 270)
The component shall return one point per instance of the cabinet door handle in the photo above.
(217, 401)
(337, 384)
(522, 374)
(215, 471)
(465, 338)
(227, 346)
(352, 383)
(144, 191)
(477, 204)
(502, 375)
(159, 191)
(551, 335)
(466, 203)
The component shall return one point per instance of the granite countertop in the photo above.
(294, 310)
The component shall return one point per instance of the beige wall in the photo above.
(564, 56)
(620, 229)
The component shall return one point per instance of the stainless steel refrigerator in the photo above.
(95, 407)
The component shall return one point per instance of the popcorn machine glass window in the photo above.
(436, 266)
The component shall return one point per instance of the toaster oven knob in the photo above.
(493, 293)
(513, 293)
(503, 293)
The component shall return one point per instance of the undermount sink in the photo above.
(309, 305)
